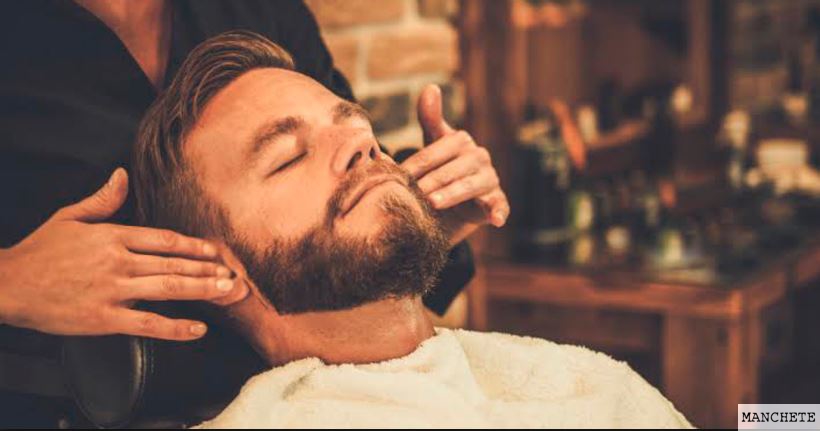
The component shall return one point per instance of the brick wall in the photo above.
(389, 49)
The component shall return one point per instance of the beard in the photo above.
(325, 271)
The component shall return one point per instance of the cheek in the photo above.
(284, 209)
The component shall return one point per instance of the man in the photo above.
(338, 245)
(79, 77)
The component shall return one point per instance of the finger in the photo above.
(175, 287)
(464, 190)
(431, 115)
(100, 205)
(451, 171)
(441, 152)
(144, 324)
(162, 241)
(496, 206)
(239, 292)
(142, 265)
(243, 286)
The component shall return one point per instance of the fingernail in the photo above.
(209, 250)
(112, 177)
(224, 285)
(198, 329)
(223, 272)
(499, 217)
(436, 198)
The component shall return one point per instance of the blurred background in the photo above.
(661, 160)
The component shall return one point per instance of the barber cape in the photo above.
(456, 379)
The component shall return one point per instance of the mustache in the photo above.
(356, 177)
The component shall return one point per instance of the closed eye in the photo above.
(288, 164)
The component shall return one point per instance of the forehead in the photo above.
(267, 92)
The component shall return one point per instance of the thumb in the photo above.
(102, 204)
(430, 114)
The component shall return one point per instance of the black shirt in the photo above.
(71, 97)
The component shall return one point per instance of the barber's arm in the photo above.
(76, 275)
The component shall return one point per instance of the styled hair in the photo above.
(167, 193)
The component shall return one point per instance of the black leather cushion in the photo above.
(120, 381)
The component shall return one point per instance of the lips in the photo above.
(366, 186)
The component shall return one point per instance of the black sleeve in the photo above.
(457, 273)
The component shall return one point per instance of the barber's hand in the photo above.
(455, 174)
(77, 276)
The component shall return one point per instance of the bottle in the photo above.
(557, 174)
(658, 147)
(604, 203)
(669, 240)
(645, 206)
(560, 202)
(542, 182)
(579, 204)
(581, 219)
(618, 235)
(610, 100)
(795, 100)
(735, 136)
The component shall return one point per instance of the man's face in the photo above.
(320, 216)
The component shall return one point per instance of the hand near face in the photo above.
(455, 174)
(77, 275)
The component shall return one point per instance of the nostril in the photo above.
(353, 160)
(372, 153)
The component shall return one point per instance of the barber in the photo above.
(77, 78)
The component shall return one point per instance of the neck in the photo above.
(144, 28)
(125, 15)
(374, 332)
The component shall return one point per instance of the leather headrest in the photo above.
(121, 381)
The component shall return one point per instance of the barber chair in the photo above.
(133, 382)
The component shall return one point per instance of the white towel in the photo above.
(456, 379)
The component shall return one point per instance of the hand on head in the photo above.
(289, 145)
(77, 275)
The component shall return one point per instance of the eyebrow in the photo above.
(269, 131)
(345, 110)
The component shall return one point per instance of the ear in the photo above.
(246, 303)
(243, 285)
(230, 260)
(252, 315)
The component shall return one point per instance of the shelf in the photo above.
(631, 291)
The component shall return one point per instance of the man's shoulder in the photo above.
(512, 367)
(260, 400)
(518, 368)
(536, 351)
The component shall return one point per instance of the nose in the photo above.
(355, 151)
